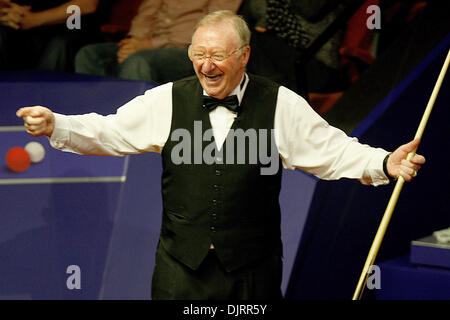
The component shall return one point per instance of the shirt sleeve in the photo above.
(141, 125)
(307, 142)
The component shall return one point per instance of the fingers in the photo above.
(37, 127)
(34, 120)
(126, 50)
(411, 146)
(36, 130)
(121, 56)
(407, 172)
(418, 159)
(13, 15)
(10, 14)
(410, 165)
(128, 41)
(37, 120)
(123, 42)
(408, 168)
(129, 46)
(399, 165)
(9, 21)
(407, 177)
(20, 9)
(10, 24)
(29, 111)
(124, 53)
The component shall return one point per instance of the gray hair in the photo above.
(238, 22)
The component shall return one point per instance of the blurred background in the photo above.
(367, 67)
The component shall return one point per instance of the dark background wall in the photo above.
(383, 109)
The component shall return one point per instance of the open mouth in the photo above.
(212, 77)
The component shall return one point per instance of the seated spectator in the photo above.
(155, 48)
(34, 34)
(284, 30)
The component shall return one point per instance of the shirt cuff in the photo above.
(385, 170)
(60, 135)
(375, 174)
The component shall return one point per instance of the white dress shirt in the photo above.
(304, 139)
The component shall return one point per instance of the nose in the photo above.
(207, 66)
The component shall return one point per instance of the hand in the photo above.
(38, 120)
(9, 18)
(11, 14)
(128, 46)
(397, 165)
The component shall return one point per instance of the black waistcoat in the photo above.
(232, 206)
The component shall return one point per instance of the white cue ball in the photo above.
(36, 151)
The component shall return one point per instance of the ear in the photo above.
(245, 56)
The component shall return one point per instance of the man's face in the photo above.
(219, 79)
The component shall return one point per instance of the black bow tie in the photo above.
(230, 102)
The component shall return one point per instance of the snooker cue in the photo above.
(398, 187)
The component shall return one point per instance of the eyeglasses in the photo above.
(198, 55)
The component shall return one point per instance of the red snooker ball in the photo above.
(18, 159)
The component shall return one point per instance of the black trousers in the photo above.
(172, 280)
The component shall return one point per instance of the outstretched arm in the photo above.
(140, 125)
(309, 143)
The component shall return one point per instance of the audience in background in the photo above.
(283, 30)
(396, 16)
(34, 34)
(323, 75)
(155, 48)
